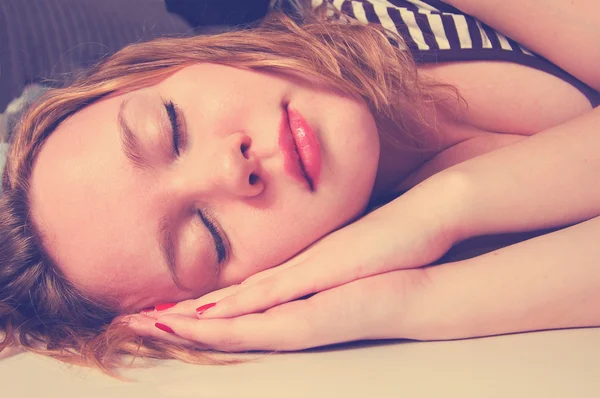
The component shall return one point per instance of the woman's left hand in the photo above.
(410, 232)
(376, 307)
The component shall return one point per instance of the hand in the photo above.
(396, 236)
(412, 231)
(409, 232)
(376, 307)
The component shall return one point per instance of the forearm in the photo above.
(564, 31)
(549, 180)
(548, 282)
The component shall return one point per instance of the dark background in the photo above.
(43, 41)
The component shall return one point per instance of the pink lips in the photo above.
(302, 153)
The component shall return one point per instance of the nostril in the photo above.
(253, 179)
(244, 149)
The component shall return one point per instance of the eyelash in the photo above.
(219, 242)
(178, 142)
(175, 119)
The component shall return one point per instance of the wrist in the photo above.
(425, 222)
(443, 199)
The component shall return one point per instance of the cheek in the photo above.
(265, 241)
(351, 138)
(283, 235)
(197, 267)
(361, 141)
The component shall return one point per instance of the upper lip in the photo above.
(293, 164)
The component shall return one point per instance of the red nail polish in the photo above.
(164, 328)
(164, 306)
(201, 310)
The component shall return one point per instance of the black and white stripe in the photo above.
(428, 25)
(437, 32)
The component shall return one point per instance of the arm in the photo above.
(566, 32)
(549, 180)
(544, 181)
(552, 281)
(548, 282)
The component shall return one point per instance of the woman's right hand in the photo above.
(412, 231)
(377, 307)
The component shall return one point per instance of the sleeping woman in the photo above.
(301, 183)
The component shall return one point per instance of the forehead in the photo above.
(86, 202)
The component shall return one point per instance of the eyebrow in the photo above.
(129, 141)
(131, 147)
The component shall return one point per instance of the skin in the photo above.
(99, 214)
(445, 312)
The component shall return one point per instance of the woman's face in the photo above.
(132, 211)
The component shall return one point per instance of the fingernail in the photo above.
(164, 306)
(147, 309)
(201, 310)
(164, 328)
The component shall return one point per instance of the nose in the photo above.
(237, 168)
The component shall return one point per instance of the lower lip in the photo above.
(302, 155)
(307, 145)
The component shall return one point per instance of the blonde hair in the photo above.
(40, 311)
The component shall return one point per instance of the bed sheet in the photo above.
(544, 364)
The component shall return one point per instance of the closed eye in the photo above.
(220, 245)
(178, 132)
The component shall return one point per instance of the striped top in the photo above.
(437, 32)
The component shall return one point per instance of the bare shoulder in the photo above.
(506, 102)
(504, 97)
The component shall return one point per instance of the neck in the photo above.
(398, 160)
(395, 164)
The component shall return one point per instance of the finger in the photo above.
(188, 307)
(369, 308)
(285, 329)
(161, 307)
(146, 326)
(376, 307)
(267, 273)
(278, 288)
(299, 258)
(325, 265)
(363, 309)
